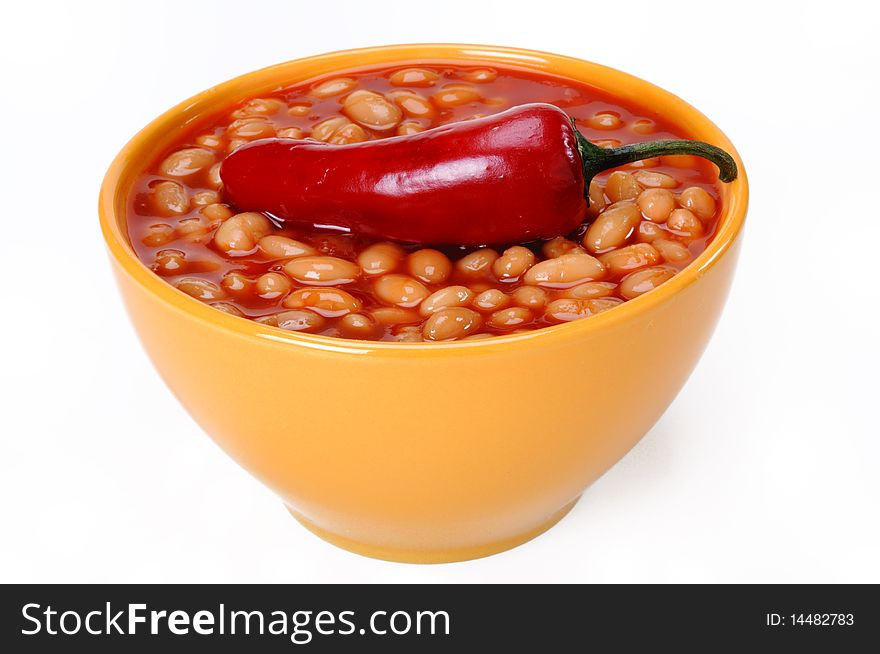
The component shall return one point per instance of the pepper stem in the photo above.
(595, 159)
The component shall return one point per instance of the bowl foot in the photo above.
(430, 556)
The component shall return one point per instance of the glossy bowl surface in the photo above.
(426, 452)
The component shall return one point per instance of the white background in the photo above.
(764, 468)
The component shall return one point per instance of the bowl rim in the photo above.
(734, 198)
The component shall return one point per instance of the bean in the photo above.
(259, 107)
(200, 289)
(158, 235)
(400, 290)
(530, 297)
(607, 143)
(170, 262)
(603, 304)
(204, 198)
(565, 271)
(656, 204)
(590, 290)
(479, 287)
(642, 281)
(451, 323)
(605, 120)
(643, 126)
(412, 104)
(480, 75)
(449, 296)
(653, 179)
(685, 223)
(327, 302)
(215, 213)
(455, 95)
(408, 335)
(409, 127)
(299, 320)
(414, 77)
(186, 162)
(282, 247)
(632, 257)
(299, 110)
(290, 133)
(272, 285)
(597, 198)
(429, 266)
(513, 263)
(210, 141)
(395, 315)
(372, 110)
(380, 258)
(481, 336)
(235, 282)
(322, 270)
(324, 130)
(239, 234)
(226, 307)
(251, 129)
(672, 251)
(169, 199)
(360, 325)
(558, 246)
(566, 310)
(650, 162)
(509, 318)
(350, 133)
(612, 228)
(332, 87)
(490, 300)
(698, 201)
(478, 263)
(235, 144)
(622, 186)
(649, 232)
(192, 229)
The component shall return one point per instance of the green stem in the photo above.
(595, 159)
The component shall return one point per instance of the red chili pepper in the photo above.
(512, 177)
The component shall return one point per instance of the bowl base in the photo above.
(431, 556)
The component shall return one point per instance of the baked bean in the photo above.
(490, 300)
(204, 198)
(272, 285)
(698, 201)
(605, 120)
(648, 232)
(157, 235)
(169, 199)
(372, 110)
(481, 337)
(332, 87)
(282, 247)
(414, 77)
(603, 304)
(186, 162)
(681, 160)
(480, 75)
(400, 290)
(380, 258)
(412, 104)
(566, 310)
(478, 263)
(650, 162)
(565, 271)
(685, 223)
(622, 186)
(290, 133)
(409, 127)
(259, 107)
(408, 334)
(653, 179)
(360, 325)
(642, 281)
(327, 302)
(632, 257)
(214, 179)
(558, 246)
(239, 234)
(324, 130)
(429, 266)
(169, 262)
(235, 282)
(226, 307)
(451, 323)
(672, 251)
(612, 228)
(299, 320)
(643, 126)
(235, 144)
(530, 297)
(590, 290)
(200, 289)
(656, 204)
(607, 143)
(455, 95)
(448, 296)
(513, 263)
(322, 271)
(251, 129)
(509, 318)
(192, 229)
(215, 213)
(597, 198)
(210, 141)
(299, 110)
(350, 133)
(395, 315)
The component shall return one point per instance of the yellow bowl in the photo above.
(426, 452)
